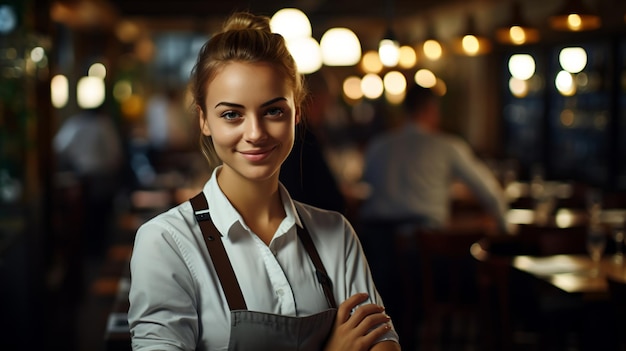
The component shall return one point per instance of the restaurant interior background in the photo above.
(537, 99)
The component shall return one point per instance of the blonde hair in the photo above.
(245, 38)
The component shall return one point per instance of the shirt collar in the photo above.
(225, 216)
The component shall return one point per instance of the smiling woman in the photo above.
(251, 122)
(241, 262)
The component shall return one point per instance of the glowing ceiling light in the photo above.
(517, 87)
(432, 49)
(97, 70)
(389, 52)
(522, 66)
(575, 16)
(425, 78)
(352, 88)
(291, 23)
(517, 32)
(394, 82)
(372, 86)
(408, 58)
(573, 59)
(564, 83)
(306, 52)
(340, 47)
(90, 92)
(370, 63)
(59, 91)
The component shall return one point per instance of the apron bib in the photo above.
(252, 330)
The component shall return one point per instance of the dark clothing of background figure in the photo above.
(89, 147)
(308, 177)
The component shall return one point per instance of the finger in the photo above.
(376, 333)
(372, 322)
(345, 309)
(363, 311)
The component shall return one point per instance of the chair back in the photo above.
(446, 266)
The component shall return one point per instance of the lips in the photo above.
(257, 155)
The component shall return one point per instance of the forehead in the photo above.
(238, 81)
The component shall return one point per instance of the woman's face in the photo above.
(251, 117)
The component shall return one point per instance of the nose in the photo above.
(255, 130)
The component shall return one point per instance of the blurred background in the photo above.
(536, 91)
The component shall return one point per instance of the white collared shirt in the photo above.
(176, 303)
(411, 170)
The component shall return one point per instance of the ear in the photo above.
(204, 126)
(298, 115)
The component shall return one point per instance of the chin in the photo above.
(260, 173)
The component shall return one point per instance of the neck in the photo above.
(425, 125)
(258, 202)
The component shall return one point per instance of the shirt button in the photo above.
(280, 292)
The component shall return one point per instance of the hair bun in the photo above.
(245, 20)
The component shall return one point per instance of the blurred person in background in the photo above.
(169, 126)
(410, 172)
(305, 172)
(89, 146)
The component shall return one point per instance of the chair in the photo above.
(493, 257)
(448, 284)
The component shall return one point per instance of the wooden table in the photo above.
(573, 273)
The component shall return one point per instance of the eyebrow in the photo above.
(267, 103)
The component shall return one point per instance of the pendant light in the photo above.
(431, 47)
(471, 43)
(340, 47)
(517, 32)
(574, 16)
(389, 47)
(295, 27)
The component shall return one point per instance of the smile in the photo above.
(257, 155)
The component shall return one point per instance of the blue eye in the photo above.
(230, 115)
(275, 112)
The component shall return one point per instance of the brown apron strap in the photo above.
(223, 267)
(320, 272)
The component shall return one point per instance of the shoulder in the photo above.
(382, 142)
(321, 222)
(319, 216)
(452, 139)
(173, 228)
(453, 143)
(332, 234)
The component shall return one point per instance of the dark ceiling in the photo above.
(313, 8)
(368, 18)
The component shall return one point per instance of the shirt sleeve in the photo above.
(480, 180)
(358, 275)
(163, 313)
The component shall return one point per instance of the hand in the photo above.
(359, 330)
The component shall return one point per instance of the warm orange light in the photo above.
(432, 49)
(370, 62)
(574, 16)
(517, 35)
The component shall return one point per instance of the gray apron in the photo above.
(252, 330)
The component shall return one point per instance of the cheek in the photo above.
(285, 132)
(225, 137)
